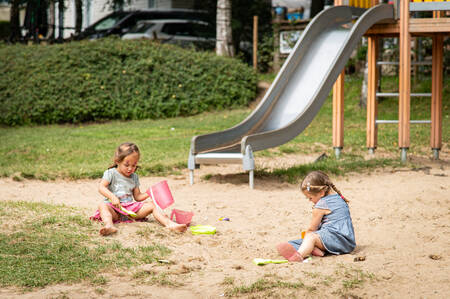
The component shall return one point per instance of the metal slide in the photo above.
(296, 94)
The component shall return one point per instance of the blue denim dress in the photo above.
(335, 229)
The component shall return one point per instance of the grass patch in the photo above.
(42, 244)
(85, 151)
(343, 280)
(264, 286)
(160, 279)
(350, 163)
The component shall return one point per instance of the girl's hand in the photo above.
(115, 202)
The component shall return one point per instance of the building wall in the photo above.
(4, 12)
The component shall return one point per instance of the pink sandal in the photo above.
(288, 252)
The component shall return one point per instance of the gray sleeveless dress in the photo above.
(335, 229)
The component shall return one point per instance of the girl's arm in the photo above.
(138, 196)
(103, 189)
(317, 215)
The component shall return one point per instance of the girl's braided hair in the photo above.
(122, 151)
(316, 181)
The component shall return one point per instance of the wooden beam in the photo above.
(255, 43)
(436, 92)
(338, 111)
(338, 108)
(416, 26)
(404, 79)
(372, 79)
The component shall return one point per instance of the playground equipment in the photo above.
(404, 27)
(304, 82)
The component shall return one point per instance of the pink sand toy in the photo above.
(161, 195)
(181, 217)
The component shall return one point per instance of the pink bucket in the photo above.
(181, 217)
(161, 194)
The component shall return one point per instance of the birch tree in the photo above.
(224, 37)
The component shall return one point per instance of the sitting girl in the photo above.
(119, 186)
(331, 228)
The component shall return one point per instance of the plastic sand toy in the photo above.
(203, 230)
(261, 262)
(130, 213)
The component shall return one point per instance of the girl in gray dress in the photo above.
(331, 228)
(120, 188)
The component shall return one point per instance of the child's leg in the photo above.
(108, 216)
(149, 208)
(311, 244)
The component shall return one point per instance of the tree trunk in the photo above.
(224, 38)
(51, 27)
(15, 21)
(61, 19)
(78, 15)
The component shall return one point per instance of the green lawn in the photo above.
(85, 151)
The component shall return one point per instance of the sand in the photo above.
(401, 219)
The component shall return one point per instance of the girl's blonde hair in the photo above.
(316, 181)
(122, 151)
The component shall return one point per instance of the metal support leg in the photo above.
(371, 151)
(337, 152)
(404, 151)
(191, 166)
(436, 153)
(191, 176)
(250, 179)
(248, 163)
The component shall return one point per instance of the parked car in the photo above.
(184, 33)
(120, 22)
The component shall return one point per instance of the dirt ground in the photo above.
(401, 219)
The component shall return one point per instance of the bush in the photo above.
(114, 79)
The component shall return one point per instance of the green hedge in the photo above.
(114, 79)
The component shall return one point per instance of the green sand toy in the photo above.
(203, 230)
(131, 213)
(261, 262)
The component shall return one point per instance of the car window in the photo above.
(182, 29)
(142, 27)
(203, 30)
(108, 23)
(188, 29)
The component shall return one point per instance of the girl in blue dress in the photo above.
(331, 228)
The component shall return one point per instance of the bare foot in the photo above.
(288, 252)
(107, 230)
(317, 252)
(179, 228)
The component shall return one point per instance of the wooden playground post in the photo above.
(338, 109)
(255, 43)
(404, 112)
(338, 114)
(372, 106)
(436, 94)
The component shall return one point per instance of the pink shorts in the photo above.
(123, 217)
